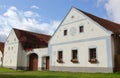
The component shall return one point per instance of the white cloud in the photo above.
(30, 14)
(113, 10)
(34, 7)
(27, 20)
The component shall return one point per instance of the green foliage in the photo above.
(8, 73)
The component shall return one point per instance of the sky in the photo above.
(44, 16)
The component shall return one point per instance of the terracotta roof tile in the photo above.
(109, 25)
(2, 46)
(32, 40)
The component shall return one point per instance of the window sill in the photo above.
(74, 61)
(93, 61)
(60, 61)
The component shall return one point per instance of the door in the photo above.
(47, 63)
(33, 62)
(117, 63)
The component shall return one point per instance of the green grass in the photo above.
(8, 73)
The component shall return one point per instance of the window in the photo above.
(11, 48)
(74, 56)
(60, 57)
(92, 55)
(7, 41)
(8, 48)
(65, 32)
(81, 29)
(14, 39)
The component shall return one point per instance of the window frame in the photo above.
(60, 56)
(65, 32)
(93, 55)
(81, 28)
(74, 56)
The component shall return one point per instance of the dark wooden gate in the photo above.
(117, 63)
(47, 63)
(33, 62)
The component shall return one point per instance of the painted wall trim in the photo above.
(109, 52)
(74, 21)
(83, 40)
(82, 69)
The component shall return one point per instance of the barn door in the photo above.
(33, 62)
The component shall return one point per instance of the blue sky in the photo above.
(54, 9)
(44, 16)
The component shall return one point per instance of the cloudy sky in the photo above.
(44, 16)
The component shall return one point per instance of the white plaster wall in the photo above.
(1, 58)
(93, 35)
(83, 53)
(68, 19)
(10, 51)
(21, 58)
(91, 28)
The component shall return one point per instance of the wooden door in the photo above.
(33, 62)
(117, 63)
(47, 63)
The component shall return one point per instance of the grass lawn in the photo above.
(8, 73)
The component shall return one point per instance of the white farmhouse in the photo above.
(1, 52)
(82, 43)
(85, 43)
(26, 50)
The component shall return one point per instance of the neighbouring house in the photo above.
(26, 50)
(85, 43)
(1, 52)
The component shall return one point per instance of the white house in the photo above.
(26, 50)
(85, 43)
(82, 43)
(1, 52)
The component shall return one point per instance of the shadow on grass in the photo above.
(27, 76)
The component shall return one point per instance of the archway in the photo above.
(33, 62)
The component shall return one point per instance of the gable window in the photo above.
(65, 32)
(81, 29)
(92, 55)
(74, 56)
(60, 57)
(8, 48)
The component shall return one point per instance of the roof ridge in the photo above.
(30, 32)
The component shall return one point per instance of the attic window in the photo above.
(72, 16)
(14, 39)
(65, 32)
(81, 29)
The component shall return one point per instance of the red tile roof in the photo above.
(109, 25)
(32, 40)
(2, 47)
